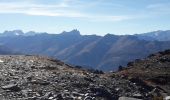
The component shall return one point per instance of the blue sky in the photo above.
(89, 16)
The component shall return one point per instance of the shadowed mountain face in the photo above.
(7, 51)
(91, 51)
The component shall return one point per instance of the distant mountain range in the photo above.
(91, 51)
(155, 35)
(15, 33)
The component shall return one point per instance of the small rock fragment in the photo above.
(12, 87)
(1, 61)
(128, 98)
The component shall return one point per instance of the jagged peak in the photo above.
(13, 32)
(73, 32)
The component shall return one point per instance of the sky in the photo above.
(88, 16)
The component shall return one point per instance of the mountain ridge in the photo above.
(91, 51)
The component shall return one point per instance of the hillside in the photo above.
(25, 77)
(154, 70)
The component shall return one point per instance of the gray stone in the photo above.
(128, 98)
(12, 87)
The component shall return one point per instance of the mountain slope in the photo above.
(7, 51)
(154, 70)
(92, 53)
(26, 77)
(128, 49)
(109, 52)
(44, 44)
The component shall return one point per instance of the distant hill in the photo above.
(99, 52)
(156, 35)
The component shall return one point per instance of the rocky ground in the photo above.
(25, 77)
(154, 70)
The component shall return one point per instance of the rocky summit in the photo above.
(26, 77)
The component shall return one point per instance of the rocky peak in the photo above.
(74, 32)
(13, 33)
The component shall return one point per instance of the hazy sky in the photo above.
(89, 16)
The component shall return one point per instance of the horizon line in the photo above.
(38, 32)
